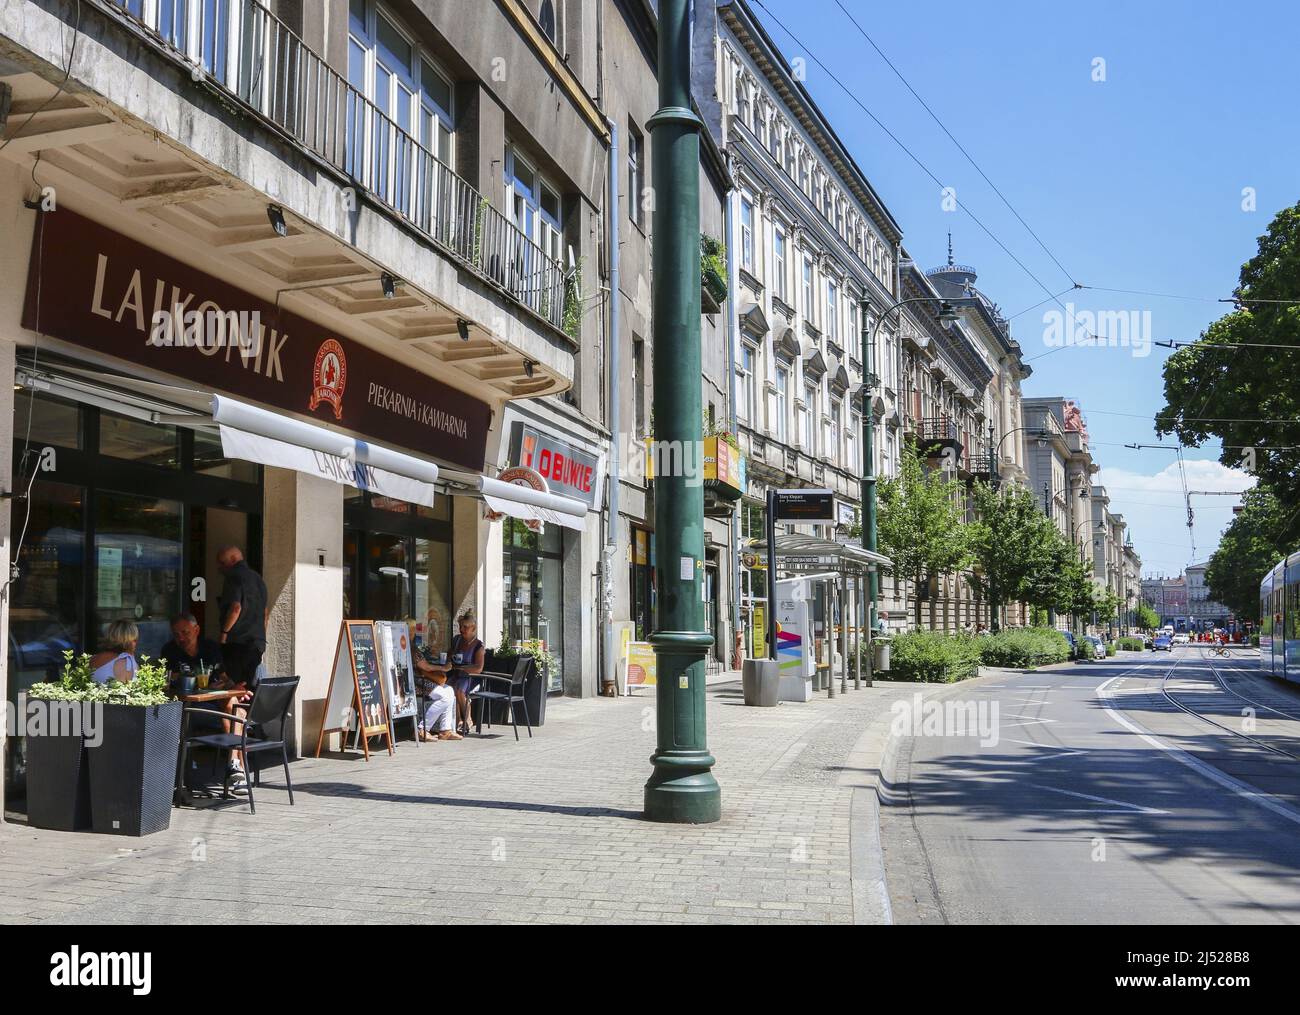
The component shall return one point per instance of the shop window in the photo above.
(210, 460)
(137, 567)
(138, 441)
(40, 420)
(533, 587)
(45, 607)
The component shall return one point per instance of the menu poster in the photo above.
(394, 638)
(356, 696)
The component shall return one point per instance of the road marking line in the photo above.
(1061, 752)
(1241, 789)
(1100, 799)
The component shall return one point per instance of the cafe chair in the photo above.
(262, 730)
(500, 687)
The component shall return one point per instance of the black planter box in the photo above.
(58, 779)
(133, 771)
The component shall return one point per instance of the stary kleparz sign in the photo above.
(104, 291)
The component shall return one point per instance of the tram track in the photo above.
(1212, 702)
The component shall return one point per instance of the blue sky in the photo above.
(1135, 182)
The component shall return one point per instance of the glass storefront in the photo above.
(533, 587)
(397, 562)
(124, 522)
(642, 600)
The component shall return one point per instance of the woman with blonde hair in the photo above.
(462, 670)
(116, 661)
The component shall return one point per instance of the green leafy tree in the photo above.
(1248, 549)
(920, 523)
(1108, 604)
(1014, 547)
(1239, 377)
(1147, 618)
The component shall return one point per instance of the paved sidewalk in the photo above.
(547, 830)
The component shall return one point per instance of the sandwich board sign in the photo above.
(356, 696)
(394, 640)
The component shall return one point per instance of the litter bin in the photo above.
(880, 656)
(761, 680)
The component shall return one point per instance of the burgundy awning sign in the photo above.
(99, 289)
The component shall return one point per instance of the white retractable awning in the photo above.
(270, 438)
(249, 433)
(520, 501)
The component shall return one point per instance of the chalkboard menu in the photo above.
(365, 661)
(356, 695)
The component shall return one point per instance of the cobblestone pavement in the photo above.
(547, 830)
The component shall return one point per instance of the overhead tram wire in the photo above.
(960, 147)
(923, 167)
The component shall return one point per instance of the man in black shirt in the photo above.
(188, 647)
(243, 637)
(243, 617)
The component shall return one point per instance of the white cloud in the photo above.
(1156, 512)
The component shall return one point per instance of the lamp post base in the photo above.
(682, 790)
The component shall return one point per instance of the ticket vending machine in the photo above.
(795, 653)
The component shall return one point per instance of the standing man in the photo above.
(243, 617)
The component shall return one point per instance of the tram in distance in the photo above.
(1279, 620)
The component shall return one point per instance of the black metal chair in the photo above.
(262, 730)
(509, 691)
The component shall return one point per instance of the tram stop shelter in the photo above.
(838, 571)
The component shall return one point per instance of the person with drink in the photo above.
(466, 663)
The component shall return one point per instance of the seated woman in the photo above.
(116, 661)
(439, 716)
(465, 663)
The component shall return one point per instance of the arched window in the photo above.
(546, 18)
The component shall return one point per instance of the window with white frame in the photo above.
(808, 289)
(550, 15)
(635, 175)
(748, 384)
(805, 426)
(851, 460)
(782, 402)
(411, 97)
(747, 234)
(833, 310)
(778, 263)
(809, 435)
(833, 452)
(534, 207)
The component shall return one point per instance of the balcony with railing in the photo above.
(247, 55)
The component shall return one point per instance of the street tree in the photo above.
(920, 524)
(1146, 617)
(1248, 549)
(1237, 381)
(1013, 546)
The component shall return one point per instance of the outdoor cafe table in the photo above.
(182, 795)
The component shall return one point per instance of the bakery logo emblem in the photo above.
(521, 475)
(329, 377)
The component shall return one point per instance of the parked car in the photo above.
(1162, 643)
(1069, 637)
(1094, 647)
(1182, 638)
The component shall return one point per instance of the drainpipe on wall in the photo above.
(612, 362)
(733, 328)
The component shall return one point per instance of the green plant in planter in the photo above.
(546, 663)
(74, 684)
(571, 320)
(147, 687)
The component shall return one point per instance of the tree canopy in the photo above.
(920, 526)
(1248, 549)
(1237, 382)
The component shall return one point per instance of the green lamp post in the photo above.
(681, 788)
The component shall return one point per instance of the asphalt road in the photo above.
(1148, 788)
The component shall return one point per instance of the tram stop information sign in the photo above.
(798, 506)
